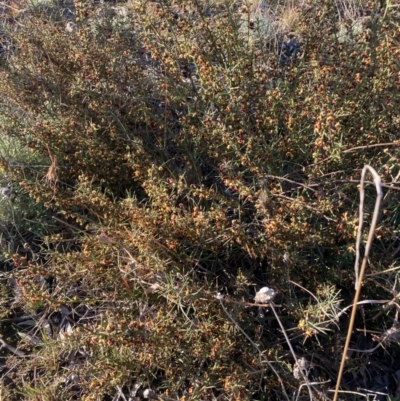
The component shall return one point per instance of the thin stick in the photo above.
(293, 353)
(375, 145)
(262, 356)
(351, 392)
(304, 205)
(11, 348)
(304, 289)
(275, 177)
(384, 271)
(360, 275)
(389, 186)
(367, 301)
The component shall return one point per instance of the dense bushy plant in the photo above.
(194, 147)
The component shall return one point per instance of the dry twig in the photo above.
(359, 275)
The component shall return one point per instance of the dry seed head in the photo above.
(6, 192)
(70, 27)
(286, 257)
(265, 295)
(149, 393)
(301, 365)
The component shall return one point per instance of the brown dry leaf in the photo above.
(52, 177)
(153, 288)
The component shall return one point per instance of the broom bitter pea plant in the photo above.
(159, 152)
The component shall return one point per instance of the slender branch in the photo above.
(304, 289)
(367, 301)
(384, 271)
(375, 145)
(256, 347)
(355, 149)
(11, 349)
(305, 205)
(275, 177)
(293, 353)
(390, 186)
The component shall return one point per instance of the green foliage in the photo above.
(161, 152)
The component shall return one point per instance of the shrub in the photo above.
(192, 148)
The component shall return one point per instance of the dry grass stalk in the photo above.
(359, 275)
